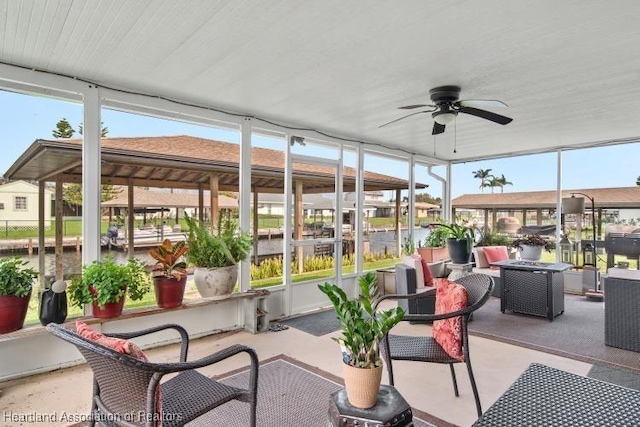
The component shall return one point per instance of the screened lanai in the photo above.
(329, 73)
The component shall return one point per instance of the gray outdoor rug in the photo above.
(290, 393)
(318, 324)
(578, 333)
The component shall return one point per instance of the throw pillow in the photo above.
(426, 272)
(118, 344)
(450, 297)
(495, 254)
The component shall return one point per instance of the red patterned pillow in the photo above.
(118, 344)
(426, 271)
(450, 296)
(495, 254)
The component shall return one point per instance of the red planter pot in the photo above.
(169, 291)
(13, 311)
(111, 309)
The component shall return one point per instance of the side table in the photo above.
(391, 410)
(459, 270)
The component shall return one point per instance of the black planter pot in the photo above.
(458, 251)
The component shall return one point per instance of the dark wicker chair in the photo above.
(425, 348)
(124, 386)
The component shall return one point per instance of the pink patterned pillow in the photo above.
(426, 271)
(118, 344)
(450, 296)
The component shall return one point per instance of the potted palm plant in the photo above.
(362, 330)
(169, 274)
(16, 283)
(459, 241)
(531, 246)
(105, 284)
(215, 256)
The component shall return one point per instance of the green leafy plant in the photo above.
(109, 282)
(408, 246)
(15, 279)
(228, 247)
(437, 238)
(533, 240)
(169, 257)
(362, 327)
(494, 239)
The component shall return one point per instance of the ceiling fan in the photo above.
(446, 107)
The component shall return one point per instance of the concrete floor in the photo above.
(426, 387)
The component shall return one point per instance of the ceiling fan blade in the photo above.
(437, 128)
(481, 103)
(403, 117)
(497, 118)
(411, 107)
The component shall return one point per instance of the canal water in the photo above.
(379, 242)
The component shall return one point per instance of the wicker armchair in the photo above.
(125, 387)
(425, 348)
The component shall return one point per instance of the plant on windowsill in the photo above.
(362, 330)
(531, 246)
(16, 283)
(169, 274)
(434, 247)
(105, 284)
(216, 256)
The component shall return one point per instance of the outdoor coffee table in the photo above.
(391, 410)
(545, 396)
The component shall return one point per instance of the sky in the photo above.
(26, 118)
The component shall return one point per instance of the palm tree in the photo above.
(502, 181)
(638, 180)
(483, 175)
(493, 183)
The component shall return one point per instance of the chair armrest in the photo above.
(210, 360)
(418, 295)
(184, 336)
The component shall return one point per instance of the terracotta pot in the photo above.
(13, 311)
(111, 309)
(430, 254)
(215, 283)
(362, 385)
(169, 291)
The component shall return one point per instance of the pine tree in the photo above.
(63, 129)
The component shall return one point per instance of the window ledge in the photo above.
(130, 314)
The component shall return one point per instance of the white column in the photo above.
(412, 197)
(558, 205)
(245, 197)
(41, 213)
(359, 209)
(286, 242)
(91, 175)
(446, 196)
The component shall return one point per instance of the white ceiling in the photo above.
(569, 70)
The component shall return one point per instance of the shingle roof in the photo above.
(613, 198)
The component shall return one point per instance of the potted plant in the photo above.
(459, 241)
(16, 283)
(105, 284)
(362, 330)
(169, 274)
(216, 256)
(531, 246)
(434, 246)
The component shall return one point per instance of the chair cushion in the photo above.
(118, 344)
(481, 259)
(417, 264)
(495, 254)
(450, 296)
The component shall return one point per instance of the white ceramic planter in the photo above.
(531, 253)
(215, 283)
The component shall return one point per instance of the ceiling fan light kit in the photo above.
(446, 106)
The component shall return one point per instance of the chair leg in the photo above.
(386, 355)
(453, 377)
(252, 416)
(473, 387)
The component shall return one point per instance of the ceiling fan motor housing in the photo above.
(444, 94)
